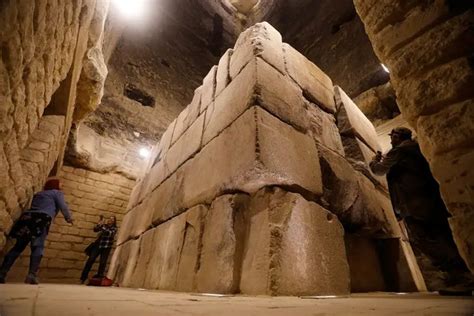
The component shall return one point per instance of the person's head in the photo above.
(399, 134)
(112, 220)
(52, 184)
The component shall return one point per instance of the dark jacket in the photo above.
(413, 190)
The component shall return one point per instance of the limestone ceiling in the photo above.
(157, 64)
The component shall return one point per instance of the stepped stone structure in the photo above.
(259, 187)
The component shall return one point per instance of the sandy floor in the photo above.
(71, 300)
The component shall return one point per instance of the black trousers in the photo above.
(96, 252)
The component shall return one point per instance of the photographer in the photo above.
(102, 246)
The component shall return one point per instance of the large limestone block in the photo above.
(168, 251)
(155, 176)
(324, 129)
(208, 89)
(260, 40)
(450, 128)
(180, 126)
(165, 141)
(193, 108)
(185, 147)
(156, 262)
(222, 75)
(258, 83)
(138, 276)
(167, 200)
(142, 214)
(125, 228)
(316, 85)
(114, 263)
(294, 247)
(255, 151)
(128, 257)
(190, 259)
(351, 120)
(359, 205)
(219, 271)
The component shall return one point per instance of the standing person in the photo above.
(417, 201)
(33, 226)
(102, 246)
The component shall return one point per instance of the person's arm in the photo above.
(61, 204)
(382, 166)
(100, 225)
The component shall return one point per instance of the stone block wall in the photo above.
(36, 58)
(89, 194)
(28, 168)
(427, 45)
(249, 190)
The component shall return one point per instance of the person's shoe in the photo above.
(31, 279)
(2, 279)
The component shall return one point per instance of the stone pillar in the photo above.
(427, 46)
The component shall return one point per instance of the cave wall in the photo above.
(155, 68)
(88, 194)
(427, 45)
(37, 58)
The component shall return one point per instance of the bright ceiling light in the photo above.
(144, 153)
(131, 8)
(385, 68)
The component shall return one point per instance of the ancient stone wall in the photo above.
(249, 189)
(427, 45)
(37, 56)
(88, 194)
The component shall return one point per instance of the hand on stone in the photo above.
(70, 221)
(377, 157)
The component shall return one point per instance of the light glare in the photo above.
(131, 8)
(385, 68)
(145, 153)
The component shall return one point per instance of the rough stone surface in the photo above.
(191, 255)
(261, 40)
(278, 159)
(351, 121)
(379, 104)
(317, 86)
(257, 83)
(36, 58)
(437, 37)
(273, 265)
(221, 258)
(359, 204)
